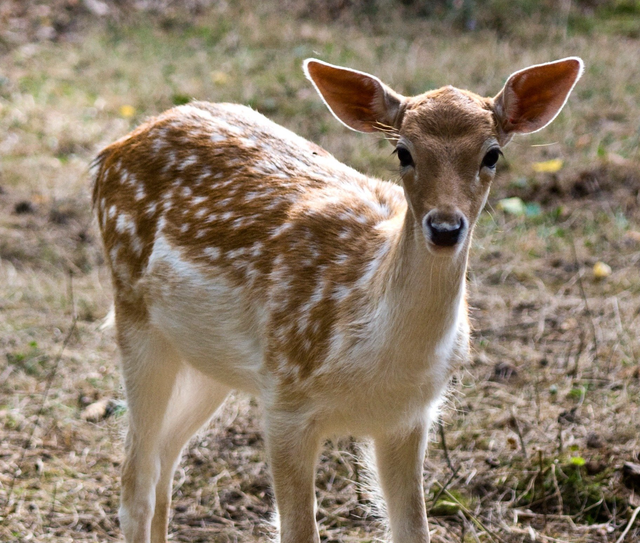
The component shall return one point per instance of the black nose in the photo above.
(445, 230)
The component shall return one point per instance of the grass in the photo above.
(555, 371)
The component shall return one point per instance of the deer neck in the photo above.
(421, 294)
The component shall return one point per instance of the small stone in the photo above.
(23, 207)
(594, 441)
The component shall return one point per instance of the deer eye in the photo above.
(491, 158)
(404, 156)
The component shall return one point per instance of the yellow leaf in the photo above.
(127, 111)
(548, 166)
(601, 270)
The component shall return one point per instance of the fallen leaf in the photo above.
(127, 111)
(577, 461)
(601, 270)
(548, 166)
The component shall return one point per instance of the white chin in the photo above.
(441, 250)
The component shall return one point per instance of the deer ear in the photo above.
(531, 98)
(360, 101)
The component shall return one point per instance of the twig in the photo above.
(443, 488)
(557, 487)
(584, 297)
(544, 492)
(525, 513)
(533, 535)
(537, 393)
(463, 525)
(53, 500)
(631, 521)
(72, 300)
(560, 442)
(507, 328)
(516, 424)
(444, 446)
(574, 372)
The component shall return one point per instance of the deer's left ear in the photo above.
(359, 100)
(533, 97)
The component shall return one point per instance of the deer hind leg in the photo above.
(150, 366)
(399, 459)
(292, 446)
(195, 399)
(166, 405)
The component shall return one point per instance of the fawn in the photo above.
(245, 257)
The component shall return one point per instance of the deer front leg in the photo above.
(399, 459)
(292, 445)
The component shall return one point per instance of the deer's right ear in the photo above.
(531, 98)
(360, 101)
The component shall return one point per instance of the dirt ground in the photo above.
(541, 432)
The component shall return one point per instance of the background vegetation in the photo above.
(542, 432)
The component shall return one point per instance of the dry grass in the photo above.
(554, 379)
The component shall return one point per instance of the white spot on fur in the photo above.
(125, 224)
(212, 252)
(189, 161)
(281, 229)
(198, 200)
(157, 145)
(256, 249)
(136, 245)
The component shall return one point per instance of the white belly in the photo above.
(209, 321)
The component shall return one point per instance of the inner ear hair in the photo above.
(358, 100)
(533, 97)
